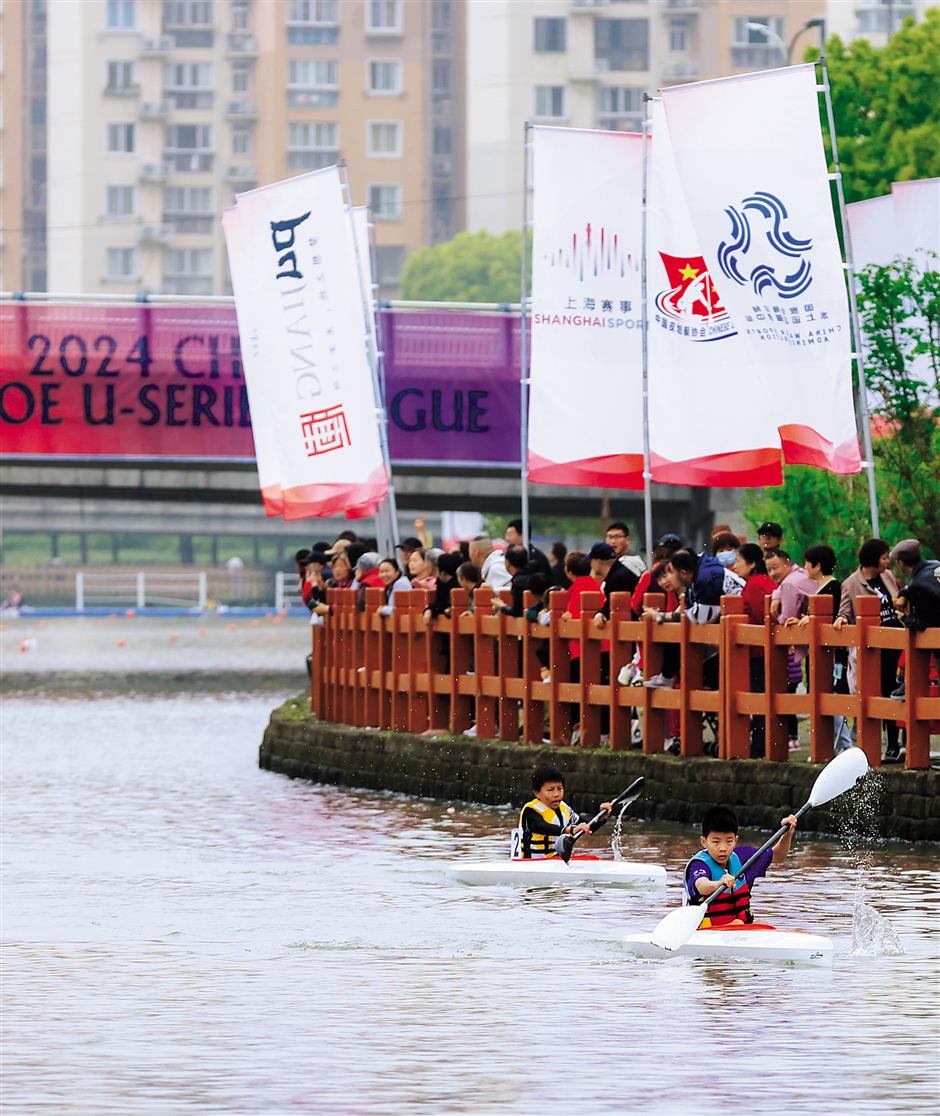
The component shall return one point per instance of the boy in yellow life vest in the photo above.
(719, 862)
(546, 816)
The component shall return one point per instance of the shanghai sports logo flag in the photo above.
(692, 300)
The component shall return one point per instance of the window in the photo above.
(120, 263)
(312, 145)
(188, 271)
(440, 76)
(241, 77)
(678, 36)
(753, 47)
(441, 26)
(441, 140)
(383, 16)
(550, 35)
(384, 139)
(389, 262)
(121, 139)
(385, 201)
(313, 21)
(621, 44)
(189, 209)
(120, 201)
(120, 15)
(312, 82)
(241, 15)
(122, 77)
(189, 22)
(882, 19)
(188, 147)
(619, 108)
(550, 101)
(384, 75)
(241, 139)
(189, 84)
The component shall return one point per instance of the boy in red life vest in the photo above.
(546, 817)
(721, 860)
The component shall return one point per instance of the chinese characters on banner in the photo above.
(750, 158)
(586, 394)
(298, 301)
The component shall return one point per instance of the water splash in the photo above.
(856, 814)
(616, 836)
(872, 934)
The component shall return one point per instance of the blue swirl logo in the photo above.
(763, 276)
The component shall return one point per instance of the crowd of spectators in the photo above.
(765, 576)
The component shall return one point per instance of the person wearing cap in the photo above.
(770, 536)
(918, 601)
(618, 536)
(408, 547)
(613, 576)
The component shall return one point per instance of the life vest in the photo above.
(541, 845)
(729, 906)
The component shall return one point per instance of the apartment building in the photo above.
(160, 111)
(875, 20)
(587, 64)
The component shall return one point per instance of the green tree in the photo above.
(899, 306)
(473, 267)
(886, 107)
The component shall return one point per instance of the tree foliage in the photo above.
(886, 107)
(473, 267)
(899, 306)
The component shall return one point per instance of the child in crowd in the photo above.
(720, 861)
(546, 816)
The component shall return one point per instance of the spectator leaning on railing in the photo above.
(394, 581)
(618, 537)
(517, 566)
(918, 601)
(492, 565)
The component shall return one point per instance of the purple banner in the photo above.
(156, 381)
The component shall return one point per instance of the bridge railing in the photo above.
(407, 673)
(140, 590)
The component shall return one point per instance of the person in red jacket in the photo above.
(758, 585)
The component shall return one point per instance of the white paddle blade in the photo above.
(677, 927)
(838, 776)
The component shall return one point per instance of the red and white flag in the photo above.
(300, 320)
(750, 158)
(707, 426)
(586, 395)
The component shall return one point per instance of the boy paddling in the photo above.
(720, 861)
(546, 816)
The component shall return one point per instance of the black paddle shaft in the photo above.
(623, 799)
(769, 843)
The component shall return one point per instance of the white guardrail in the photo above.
(140, 590)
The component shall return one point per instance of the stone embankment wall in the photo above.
(898, 804)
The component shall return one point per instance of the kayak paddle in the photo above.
(564, 845)
(838, 776)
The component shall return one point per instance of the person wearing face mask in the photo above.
(724, 547)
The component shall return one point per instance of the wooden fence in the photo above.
(407, 673)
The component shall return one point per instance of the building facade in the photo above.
(588, 63)
(154, 114)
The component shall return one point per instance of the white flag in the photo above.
(750, 158)
(305, 326)
(710, 423)
(260, 396)
(586, 401)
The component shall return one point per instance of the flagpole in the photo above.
(644, 321)
(849, 263)
(523, 343)
(386, 518)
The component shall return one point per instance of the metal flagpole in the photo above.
(864, 415)
(644, 318)
(387, 523)
(523, 342)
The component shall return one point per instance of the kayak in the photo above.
(553, 871)
(758, 941)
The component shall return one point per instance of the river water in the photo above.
(185, 933)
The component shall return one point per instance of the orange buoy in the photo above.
(131, 613)
(201, 632)
(122, 643)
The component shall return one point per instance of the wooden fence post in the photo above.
(920, 647)
(533, 712)
(371, 674)
(776, 677)
(590, 670)
(417, 662)
(401, 633)
(461, 663)
(559, 667)
(734, 666)
(654, 720)
(821, 728)
(484, 655)
(621, 654)
(868, 677)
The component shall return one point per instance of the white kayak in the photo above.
(553, 871)
(758, 942)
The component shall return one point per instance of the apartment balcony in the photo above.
(241, 172)
(682, 7)
(122, 90)
(189, 223)
(241, 110)
(241, 45)
(153, 110)
(442, 166)
(156, 48)
(312, 98)
(155, 236)
(681, 68)
(755, 56)
(190, 161)
(153, 172)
